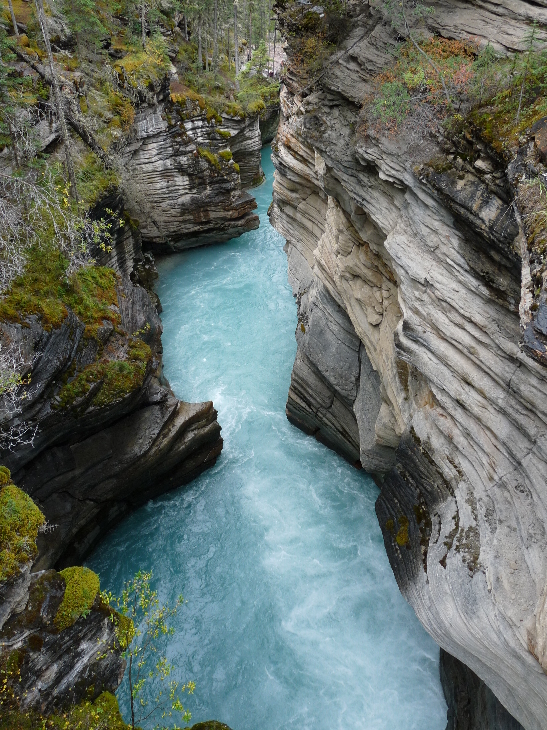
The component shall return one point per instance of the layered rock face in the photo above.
(185, 194)
(52, 668)
(408, 283)
(110, 433)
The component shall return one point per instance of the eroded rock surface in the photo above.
(184, 192)
(110, 433)
(50, 668)
(408, 284)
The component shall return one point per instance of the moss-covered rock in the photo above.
(20, 520)
(82, 586)
(211, 158)
(45, 290)
(101, 714)
(117, 377)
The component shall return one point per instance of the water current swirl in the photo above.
(293, 619)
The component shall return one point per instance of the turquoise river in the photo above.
(293, 619)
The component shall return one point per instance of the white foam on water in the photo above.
(293, 620)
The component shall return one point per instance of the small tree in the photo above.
(139, 637)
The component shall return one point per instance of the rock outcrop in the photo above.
(407, 277)
(60, 643)
(51, 668)
(185, 192)
(110, 434)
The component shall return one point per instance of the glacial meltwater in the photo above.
(293, 619)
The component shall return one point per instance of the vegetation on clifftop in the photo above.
(458, 84)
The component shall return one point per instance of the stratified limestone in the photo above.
(183, 192)
(408, 283)
(96, 457)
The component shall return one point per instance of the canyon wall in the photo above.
(110, 434)
(410, 361)
(184, 192)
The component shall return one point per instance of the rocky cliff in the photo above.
(59, 641)
(110, 434)
(187, 170)
(406, 254)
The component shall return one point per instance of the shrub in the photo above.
(392, 103)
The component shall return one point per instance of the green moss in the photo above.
(94, 181)
(144, 66)
(118, 377)
(99, 714)
(226, 155)
(224, 133)
(235, 110)
(45, 291)
(212, 114)
(236, 167)
(401, 538)
(5, 476)
(256, 106)
(497, 121)
(82, 586)
(20, 520)
(211, 158)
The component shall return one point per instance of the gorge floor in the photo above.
(293, 618)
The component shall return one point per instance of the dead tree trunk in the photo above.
(143, 24)
(250, 30)
(236, 42)
(200, 54)
(13, 19)
(215, 37)
(57, 100)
